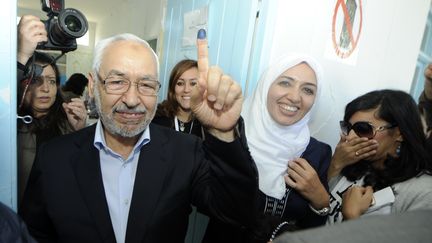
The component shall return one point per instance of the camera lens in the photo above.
(73, 23)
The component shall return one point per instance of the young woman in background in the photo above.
(175, 112)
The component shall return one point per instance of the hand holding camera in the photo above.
(59, 32)
(31, 31)
(64, 26)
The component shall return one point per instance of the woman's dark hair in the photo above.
(55, 122)
(399, 108)
(170, 106)
(76, 84)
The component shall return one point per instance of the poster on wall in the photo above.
(347, 20)
(193, 21)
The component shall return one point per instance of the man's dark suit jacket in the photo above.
(65, 199)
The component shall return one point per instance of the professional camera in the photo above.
(63, 26)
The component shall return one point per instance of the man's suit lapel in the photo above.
(88, 175)
(151, 172)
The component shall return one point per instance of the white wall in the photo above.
(142, 18)
(387, 51)
(80, 60)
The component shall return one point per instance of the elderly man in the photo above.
(126, 180)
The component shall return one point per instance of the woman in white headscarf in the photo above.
(292, 166)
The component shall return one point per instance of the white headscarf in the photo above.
(271, 144)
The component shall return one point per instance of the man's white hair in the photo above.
(103, 44)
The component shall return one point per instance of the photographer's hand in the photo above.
(76, 113)
(31, 31)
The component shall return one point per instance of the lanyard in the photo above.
(176, 125)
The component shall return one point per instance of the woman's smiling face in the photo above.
(292, 94)
(186, 86)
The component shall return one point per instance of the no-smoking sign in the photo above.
(346, 26)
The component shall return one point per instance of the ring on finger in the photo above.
(357, 153)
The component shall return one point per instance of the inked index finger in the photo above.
(203, 62)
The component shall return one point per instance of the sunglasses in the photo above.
(363, 129)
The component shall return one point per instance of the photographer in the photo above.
(39, 97)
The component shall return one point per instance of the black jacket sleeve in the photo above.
(232, 181)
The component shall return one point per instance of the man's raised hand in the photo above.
(219, 104)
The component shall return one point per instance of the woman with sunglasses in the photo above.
(175, 111)
(292, 165)
(39, 101)
(381, 164)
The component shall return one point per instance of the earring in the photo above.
(398, 150)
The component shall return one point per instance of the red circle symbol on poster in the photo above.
(346, 26)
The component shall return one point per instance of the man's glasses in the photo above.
(363, 129)
(118, 85)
